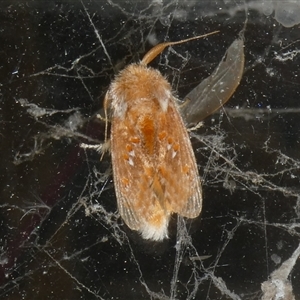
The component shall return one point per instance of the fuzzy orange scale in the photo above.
(147, 130)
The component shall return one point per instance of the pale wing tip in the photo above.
(155, 233)
(193, 207)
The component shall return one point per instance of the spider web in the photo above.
(62, 236)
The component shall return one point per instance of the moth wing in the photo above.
(213, 92)
(133, 170)
(180, 172)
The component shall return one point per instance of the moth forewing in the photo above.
(188, 180)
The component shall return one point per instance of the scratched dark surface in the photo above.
(61, 236)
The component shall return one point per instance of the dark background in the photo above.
(61, 236)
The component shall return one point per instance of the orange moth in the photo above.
(154, 167)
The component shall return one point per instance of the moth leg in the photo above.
(100, 148)
(184, 103)
(106, 147)
(197, 126)
(102, 118)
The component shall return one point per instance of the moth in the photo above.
(154, 166)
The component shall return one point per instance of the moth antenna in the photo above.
(105, 105)
(156, 50)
